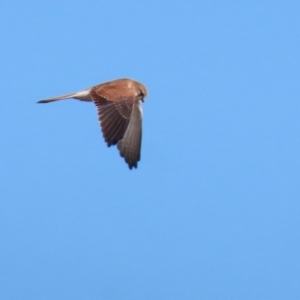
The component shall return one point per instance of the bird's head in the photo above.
(142, 92)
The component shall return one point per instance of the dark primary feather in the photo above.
(130, 145)
(112, 123)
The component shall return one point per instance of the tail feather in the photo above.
(64, 97)
(83, 96)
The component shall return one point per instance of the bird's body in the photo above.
(120, 114)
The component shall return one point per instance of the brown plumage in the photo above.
(120, 114)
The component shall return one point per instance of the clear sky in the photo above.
(213, 210)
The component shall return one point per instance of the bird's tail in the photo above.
(83, 95)
(64, 97)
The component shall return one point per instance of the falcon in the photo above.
(119, 106)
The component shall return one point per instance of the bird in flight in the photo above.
(119, 105)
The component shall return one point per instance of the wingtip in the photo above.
(132, 166)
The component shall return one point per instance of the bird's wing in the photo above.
(130, 145)
(114, 110)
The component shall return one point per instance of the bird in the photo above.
(119, 107)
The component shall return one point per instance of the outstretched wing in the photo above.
(120, 119)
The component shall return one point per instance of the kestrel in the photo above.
(119, 105)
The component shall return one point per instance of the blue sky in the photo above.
(212, 212)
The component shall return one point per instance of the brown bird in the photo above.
(120, 114)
